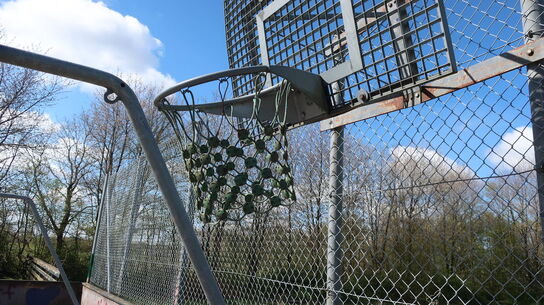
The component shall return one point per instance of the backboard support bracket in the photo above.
(495, 66)
(412, 97)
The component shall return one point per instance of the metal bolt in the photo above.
(530, 52)
(362, 96)
(540, 169)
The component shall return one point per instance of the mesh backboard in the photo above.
(381, 47)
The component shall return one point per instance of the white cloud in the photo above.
(41, 120)
(432, 164)
(85, 32)
(18, 157)
(515, 150)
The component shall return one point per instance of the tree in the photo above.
(112, 136)
(23, 93)
(54, 177)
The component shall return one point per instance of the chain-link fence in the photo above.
(434, 204)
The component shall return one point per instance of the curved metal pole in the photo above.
(147, 140)
(43, 230)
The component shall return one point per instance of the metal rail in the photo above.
(47, 240)
(116, 86)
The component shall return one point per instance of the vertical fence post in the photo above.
(108, 235)
(98, 225)
(334, 238)
(533, 28)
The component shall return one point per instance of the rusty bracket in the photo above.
(495, 66)
(412, 96)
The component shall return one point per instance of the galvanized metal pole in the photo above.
(334, 239)
(98, 225)
(118, 90)
(43, 230)
(533, 27)
(108, 235)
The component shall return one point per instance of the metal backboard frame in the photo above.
(373, 47)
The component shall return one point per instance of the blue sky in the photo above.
(191, 35)
(192, 32)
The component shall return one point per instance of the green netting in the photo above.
(237, 166)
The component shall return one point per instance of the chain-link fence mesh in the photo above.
(435, 204)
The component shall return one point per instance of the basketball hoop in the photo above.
(236, 150)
